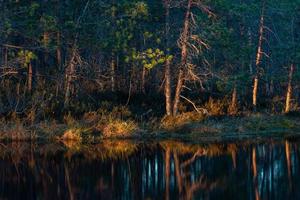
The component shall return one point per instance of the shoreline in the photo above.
(208, 129)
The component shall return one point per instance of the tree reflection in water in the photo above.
(150, 170)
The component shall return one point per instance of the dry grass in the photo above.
(119, 128)
(175, 122)
(72, 134)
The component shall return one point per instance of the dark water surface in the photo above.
(150, 170)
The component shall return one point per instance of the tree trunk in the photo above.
(289, 90)
(113, 68)
(168, 93)
(143, 80)
(233, 106)
(258, 58)
(30, 77)
(70, 70)
(184, 40)
(58, 52)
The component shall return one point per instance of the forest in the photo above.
(122, 67)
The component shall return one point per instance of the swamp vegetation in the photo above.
(131, 67)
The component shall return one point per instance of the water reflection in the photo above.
(150, 170)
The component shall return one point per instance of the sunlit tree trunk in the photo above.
(183, 63)
(168, 93)
(234, 103)
(289, 90)
(258, 58)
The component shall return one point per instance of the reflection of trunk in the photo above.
(177, 172)
(258, 57)
(184, 41)
(288, 161)
(167, 172)
(68, 182)
(233, 156)
(29, 77)
(254, 168)
(289, 90)
(168, 94)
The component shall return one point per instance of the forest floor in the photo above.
(187, 127)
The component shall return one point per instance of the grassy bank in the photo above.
(95, 126)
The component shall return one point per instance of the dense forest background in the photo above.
(158, 56)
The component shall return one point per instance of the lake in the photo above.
(114, 169)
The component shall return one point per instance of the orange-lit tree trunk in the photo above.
(234, 103)
(168, 89)
(289, 90)
(258, 58)
(184, 54)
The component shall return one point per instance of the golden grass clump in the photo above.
(116, 128)
(72, 134)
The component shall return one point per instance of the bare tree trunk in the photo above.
(143, 80)
(258, 58)
(289, 90)
(58, 52)
(46, 40)
(70, 70)
(29, 77)
(233, 106)
(168, 93)
(184, 40)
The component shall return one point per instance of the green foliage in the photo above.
(27, 56)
